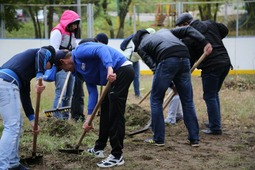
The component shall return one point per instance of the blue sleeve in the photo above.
(105, 56)
(93, 96)
(41, 59)
(26, 102)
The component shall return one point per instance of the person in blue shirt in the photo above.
(98, 63)
(15, 77)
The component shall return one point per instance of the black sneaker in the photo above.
(20, 167)
(193, 143)
(212, 132)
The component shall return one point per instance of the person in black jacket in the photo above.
(165, 54)
(215, 67)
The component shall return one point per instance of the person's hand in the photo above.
(37, 131)
(39, 88)
(208, 49)
(86, 125)
(111, 77)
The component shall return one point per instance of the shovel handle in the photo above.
(198, 62)
(37, 107)
(105, 91)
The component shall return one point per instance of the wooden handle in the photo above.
(198, 62)
(146, 95)
(105, 91)
(37, 107)
(63, 89)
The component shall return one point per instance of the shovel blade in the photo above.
(72, 151)
(34, 159)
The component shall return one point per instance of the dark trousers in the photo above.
(112, 120)
(77, 105)
(212, 82)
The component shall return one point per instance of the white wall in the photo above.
(241, 50)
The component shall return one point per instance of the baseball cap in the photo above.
(60, 55)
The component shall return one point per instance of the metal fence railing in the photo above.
(239, 16)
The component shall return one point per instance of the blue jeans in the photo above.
(212, 82)
(12, 120)
(59, 83)
(176, 70)
(136, 82)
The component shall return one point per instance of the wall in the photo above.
(241, 51)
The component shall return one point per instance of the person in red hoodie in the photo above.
(63, 36)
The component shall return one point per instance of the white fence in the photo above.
(241, 51)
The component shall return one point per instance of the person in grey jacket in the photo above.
(168, 58)
(215, 67)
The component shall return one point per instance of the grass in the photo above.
(237, 106)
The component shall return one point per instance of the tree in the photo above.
(122, 10)
(8, 14)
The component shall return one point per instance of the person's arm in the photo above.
(92, 98)
(188, 31)
(92, 101)
(55, 39)
(129, 50)
(41, 59)
(147, 58)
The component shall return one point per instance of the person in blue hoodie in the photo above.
(98, 63)
(15, 77)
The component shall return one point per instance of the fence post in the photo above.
(90, 20)
(2, 22)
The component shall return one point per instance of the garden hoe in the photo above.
(50, 112)
(36, 157)
(148, 125)
(76, 149)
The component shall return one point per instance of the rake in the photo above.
(58, 109)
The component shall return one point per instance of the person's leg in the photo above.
(12, 120)
(183, 84)
(117, 104)
(77, 105)
(68, 95)
(212, 82)
(136, 82)
(161, 81)
(103, 125)
(59, 83)
(173, 110)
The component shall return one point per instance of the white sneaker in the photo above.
(97, 154)
(110, 161)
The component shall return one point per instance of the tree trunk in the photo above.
(123, 10)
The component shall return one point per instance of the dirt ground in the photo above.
(234, 150)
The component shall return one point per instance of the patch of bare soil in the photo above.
(234, 150)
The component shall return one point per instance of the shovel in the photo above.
(36, 157)
(76, 149)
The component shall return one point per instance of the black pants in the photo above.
(112, 120)
(77, 105)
